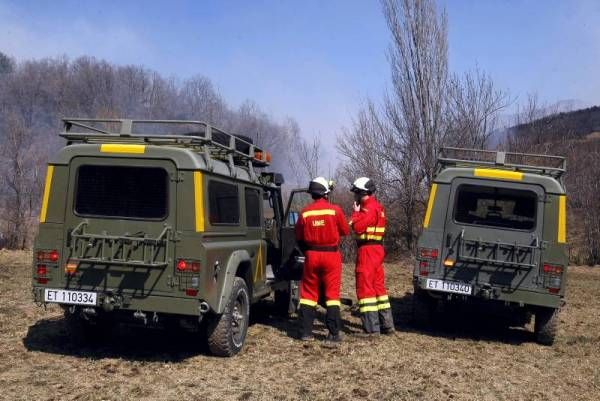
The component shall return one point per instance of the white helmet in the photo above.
(363, 185)
(319, 186)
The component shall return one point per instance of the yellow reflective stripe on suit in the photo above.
(364, 309)
(313, 213)
(309, 302)
(371, 237)
(367, 301)
(333, 303)
(375, 229)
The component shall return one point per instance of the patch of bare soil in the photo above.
(466, 358)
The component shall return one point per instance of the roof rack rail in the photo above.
(554, 166)
(198, 136)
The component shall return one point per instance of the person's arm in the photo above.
(342, 224)
(363, 219)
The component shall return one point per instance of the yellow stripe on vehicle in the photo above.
(309, 302)
(122, 148)
(430, 206)
(364, 309)
(333, 303)
(367, 301)
(46, 197)
(562, 219)
(496, 173)
(199, 201)
(324, 212)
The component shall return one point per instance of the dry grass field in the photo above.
(465, 359)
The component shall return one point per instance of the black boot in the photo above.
(386, 321)
(370, 321)
(306, 316)
(333, 320)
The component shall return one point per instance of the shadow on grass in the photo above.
(460, 321)
(129, 343)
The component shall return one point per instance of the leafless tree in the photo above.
(426, 108)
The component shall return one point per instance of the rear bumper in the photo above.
(150, 303)
(521, 297)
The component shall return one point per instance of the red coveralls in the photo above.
(374, 304)
(319, 228)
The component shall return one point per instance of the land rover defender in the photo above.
(494, 233)
(154, 222)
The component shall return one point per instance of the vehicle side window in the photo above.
(496, 207)
(224, 203)
(253, 206)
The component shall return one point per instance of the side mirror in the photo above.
(278, 179)
(292, 218)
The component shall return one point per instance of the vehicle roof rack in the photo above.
(554, 166)
(198, 136)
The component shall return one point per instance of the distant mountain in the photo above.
(578, 124)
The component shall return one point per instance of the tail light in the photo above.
(42, 274)
(48, 256)
(553, 279)
(428, 253)
(191, 292)
(553, 269)
(423, 268)
(42, 270)
(189, 266)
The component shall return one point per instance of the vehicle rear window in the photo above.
(496, 207)
(224, 203)
(122, 192)
(253, 206)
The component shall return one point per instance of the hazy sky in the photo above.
(313, 60)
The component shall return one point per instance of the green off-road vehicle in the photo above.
(160, 223)
(494, 234)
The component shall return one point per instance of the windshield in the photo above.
(496, 207)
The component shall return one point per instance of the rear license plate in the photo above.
(449, 286)
(70, 297)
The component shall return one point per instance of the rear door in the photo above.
(120, 225)
(493, 233)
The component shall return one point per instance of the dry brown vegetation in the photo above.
(464, 359)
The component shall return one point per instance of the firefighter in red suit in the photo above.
(368, 223)
(318, 231)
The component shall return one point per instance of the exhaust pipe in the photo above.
(204, 308)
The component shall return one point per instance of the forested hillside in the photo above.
(36, 94)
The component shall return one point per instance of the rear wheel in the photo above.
(227, 332)
(546, 320)
(423, 307)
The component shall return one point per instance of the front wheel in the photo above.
(227, 332)
(546, 320)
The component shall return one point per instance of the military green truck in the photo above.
(159, 223)
(494, 234)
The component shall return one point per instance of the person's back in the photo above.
(318, 232)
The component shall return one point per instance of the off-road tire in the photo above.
(423, 307)
(226, 332)
(546, 321)
(286, 300)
